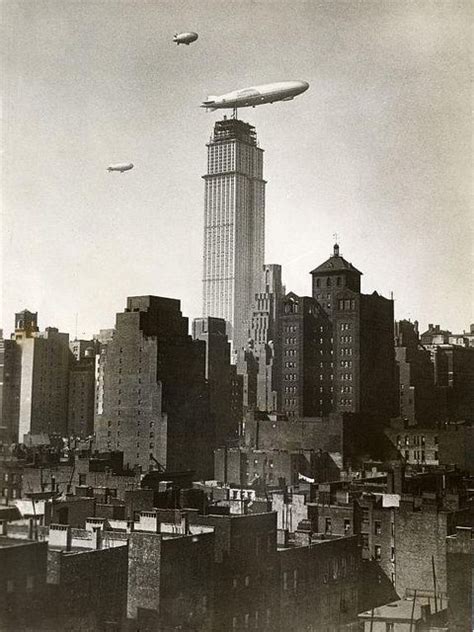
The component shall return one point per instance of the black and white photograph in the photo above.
(237, 316)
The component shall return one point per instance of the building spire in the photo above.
(336, 246)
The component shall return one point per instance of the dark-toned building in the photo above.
(246, 571)
(156, 404)
(418, 399)
(10, 382)
(22, 582)
(249, 466)
(170, 582)
(212, 331)
(307, 367)
(319, 582)
(460, 579)
(82, 395)
(361, 335)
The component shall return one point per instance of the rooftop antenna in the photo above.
(234, 113)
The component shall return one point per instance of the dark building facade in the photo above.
(155, 394)
(417, 395)
(212, 331)
(10, 382)
(460, 579)
(307, 366)
(361, 336)
(81, 403)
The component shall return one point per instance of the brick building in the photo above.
(306, 358)
(246, 571)
(319, 583)
(155, 394)
(361, 335)
(10, 382)
(22, 582)
(170, 582)
(212, 331)
(249, 466)
(418, 397)
(81, 402)
(43, 378)
(460, 579)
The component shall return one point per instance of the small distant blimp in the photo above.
(122, 166)
(257, 95)
(185, 38)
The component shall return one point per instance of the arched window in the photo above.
(328, 282)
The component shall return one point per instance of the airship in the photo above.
(185, 38)
(123, 166)
(257, 95)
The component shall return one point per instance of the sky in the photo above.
(379, 150)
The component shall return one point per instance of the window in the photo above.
(295, 579)
(247, 580)
(389, 626)
(234, 623)
(392, 554)
(365, 540)
(378, 552)
(377, 527)
(328, 525)
(285, 580)
(347, 525)
(235, 582)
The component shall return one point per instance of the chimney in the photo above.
(185, 524)
(60, 536)
(97, 538)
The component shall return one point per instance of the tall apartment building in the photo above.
(234, 223)
(212, 331)
(362, 354)
(155, 404)
(307, 386)
(416, 389)
(10, 380)
(44, 383)
(82, 395)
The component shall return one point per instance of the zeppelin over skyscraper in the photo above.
(234, 226)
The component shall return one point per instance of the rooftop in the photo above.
(335, 263)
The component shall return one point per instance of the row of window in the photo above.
(328, 282)
(346, 304)
(257, 619)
